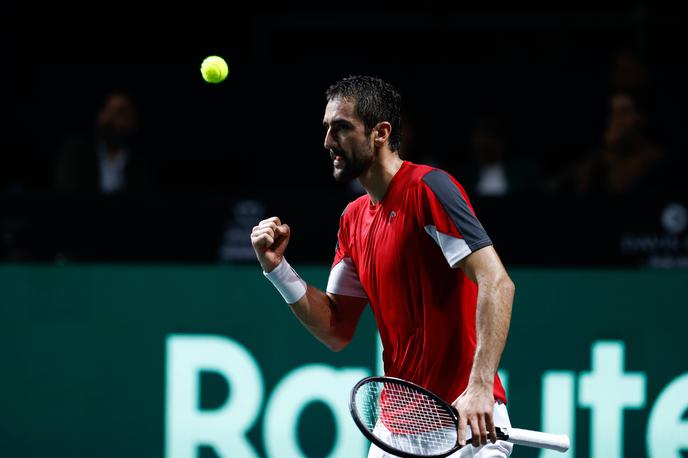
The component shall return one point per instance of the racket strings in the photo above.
(416, 417)
(405, 419)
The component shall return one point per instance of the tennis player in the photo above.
(414, 250)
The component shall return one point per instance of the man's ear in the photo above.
(381, 133)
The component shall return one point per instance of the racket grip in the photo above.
(558, 442)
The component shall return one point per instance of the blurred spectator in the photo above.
(629, 73)
(628, 160)
(107, 162)
(489, 169)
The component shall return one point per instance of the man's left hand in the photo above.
(476, 409)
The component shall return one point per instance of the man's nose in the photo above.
(329, 141)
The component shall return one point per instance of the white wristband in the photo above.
(287, 281)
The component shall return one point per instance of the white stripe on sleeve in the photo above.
(454, 249)
(344, 280)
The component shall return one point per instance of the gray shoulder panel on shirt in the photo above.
(457, 208)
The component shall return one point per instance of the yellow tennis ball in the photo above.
(214, 69)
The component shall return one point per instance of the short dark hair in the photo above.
(375, 101)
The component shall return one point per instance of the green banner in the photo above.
(183, 362)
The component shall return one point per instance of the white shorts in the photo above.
(500, 449)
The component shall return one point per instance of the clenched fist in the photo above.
(269, 239)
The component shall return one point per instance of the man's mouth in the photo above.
(337, 159)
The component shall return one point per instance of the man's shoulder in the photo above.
(356, 205)
(421, 174)
(433, 181)
(420, 169)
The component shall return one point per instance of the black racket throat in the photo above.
(405, 419)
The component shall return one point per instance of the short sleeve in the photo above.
(344, 279)
(448, 217)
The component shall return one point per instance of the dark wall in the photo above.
(545, 72)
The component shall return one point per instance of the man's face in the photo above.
(624, 118)
(350, 149)
(117, 120)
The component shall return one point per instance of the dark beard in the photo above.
(354, 166)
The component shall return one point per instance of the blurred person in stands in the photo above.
(629, 72)
(489, 169)
(107, 162)
(663, 110)
(628, 160)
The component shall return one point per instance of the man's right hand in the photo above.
(269, 239)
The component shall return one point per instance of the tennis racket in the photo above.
(409, 421)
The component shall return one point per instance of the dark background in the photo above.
(545, 70)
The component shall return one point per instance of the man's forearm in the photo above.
(321, 316)
(493, 315)
(316, 312)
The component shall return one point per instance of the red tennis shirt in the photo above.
(402, 254)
